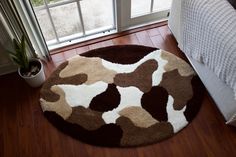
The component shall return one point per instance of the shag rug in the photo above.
(122, 96)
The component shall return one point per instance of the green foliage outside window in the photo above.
(36, 3)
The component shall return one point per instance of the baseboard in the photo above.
(8, 68)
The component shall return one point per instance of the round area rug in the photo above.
(122, 96)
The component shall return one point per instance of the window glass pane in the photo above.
(140, 7)
(161, 5)
(97, 14)
(66, 19)
(45, 24)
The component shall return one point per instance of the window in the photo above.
(65, 20)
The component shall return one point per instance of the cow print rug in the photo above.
(122, 96)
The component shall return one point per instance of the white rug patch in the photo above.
(157, 75)
(175, 117)
(130, 96)
(82, 95)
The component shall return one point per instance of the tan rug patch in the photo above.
(88, 66)
(139, 116)
(176, 63)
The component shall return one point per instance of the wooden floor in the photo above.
(25, 132)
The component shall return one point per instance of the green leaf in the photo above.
(25, 57)
(20, 56)
(16, 45)
(16, 61)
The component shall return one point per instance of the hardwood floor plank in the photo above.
(1, 144)
(95, 46)
(82, 49)
(42, 137)
(153, 32)
(80, 148)
(70, 53)
(115, 152)
(127, 39)
(26, 124)
(56, 64)
(10, 114)
(24, 109)
(107, 43)
(170, 42)
(49, 67)
(144, 38)
(11, 143)
(2, 123)
(101, 44)
(159, 42)
(67, 145)
(164, 31)
(58, 57)
(27, 137)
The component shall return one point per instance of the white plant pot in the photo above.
(36, 80)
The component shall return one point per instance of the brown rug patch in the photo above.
(142, 74)
(179, 87)
(192, 109)
(107, 100)
(156, 108)
(142, 96)
(82, 116)
(133, 135)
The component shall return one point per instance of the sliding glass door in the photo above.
(67, 21)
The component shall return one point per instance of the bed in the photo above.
(206, 32)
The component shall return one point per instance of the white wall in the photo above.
(6, 65)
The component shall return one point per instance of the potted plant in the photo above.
(31, 70)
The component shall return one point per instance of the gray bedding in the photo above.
(209, 36)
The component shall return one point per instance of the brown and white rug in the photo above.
(122, 96)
